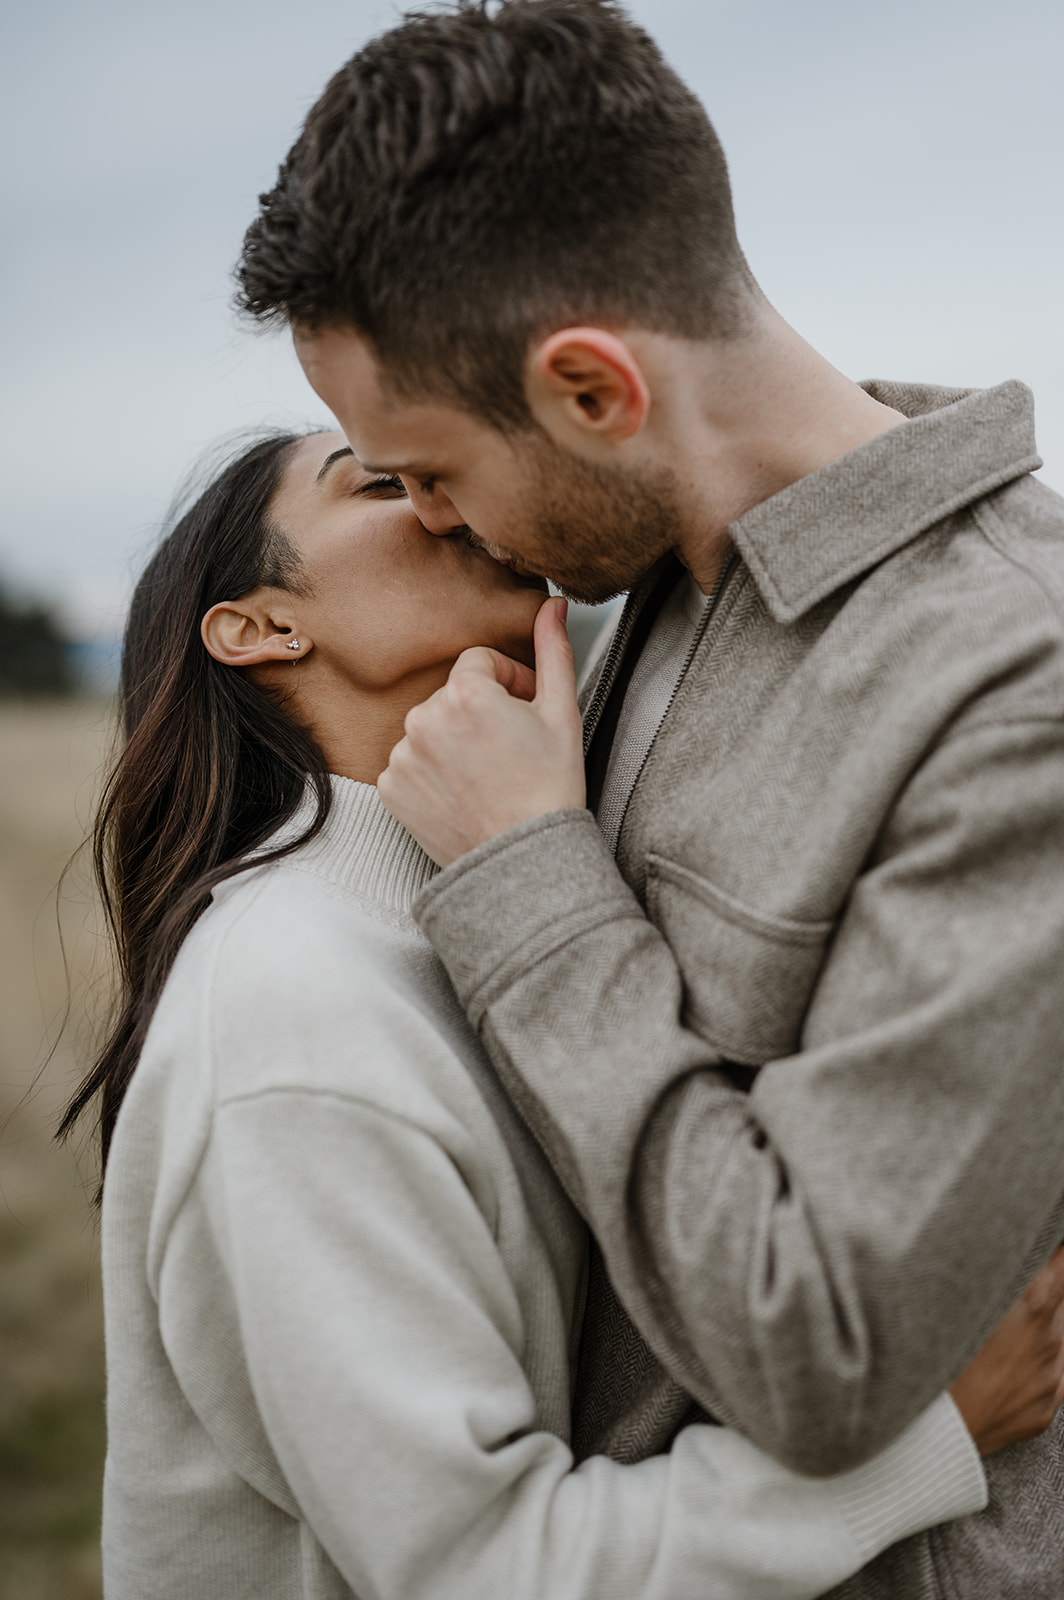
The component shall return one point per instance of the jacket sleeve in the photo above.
(816, 1258)
(383, 1347)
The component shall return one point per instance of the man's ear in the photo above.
(586, 383)
(246, 633)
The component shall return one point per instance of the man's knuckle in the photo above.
(467, 693)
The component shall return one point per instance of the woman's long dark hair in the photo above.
(210, 766)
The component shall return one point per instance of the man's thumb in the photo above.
(555, 668)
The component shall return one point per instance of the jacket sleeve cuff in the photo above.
(494, 913)
(931, 1473)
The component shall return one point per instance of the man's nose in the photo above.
(436, 510)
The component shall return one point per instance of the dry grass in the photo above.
(51, 1358)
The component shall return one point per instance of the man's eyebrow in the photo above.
(344, 450)
(409, 469)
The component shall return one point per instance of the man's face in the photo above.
(592, 529)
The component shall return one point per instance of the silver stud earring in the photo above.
(292, 644)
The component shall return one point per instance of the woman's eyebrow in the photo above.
(344, 450)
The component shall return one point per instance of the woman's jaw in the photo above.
(380, 608)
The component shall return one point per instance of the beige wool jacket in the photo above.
(797, 1051)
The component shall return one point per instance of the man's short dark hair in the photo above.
(483, 174)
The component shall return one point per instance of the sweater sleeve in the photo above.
(384, 1351)
(817, 1258)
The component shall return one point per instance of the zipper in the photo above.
(731, 562)
(608, 671)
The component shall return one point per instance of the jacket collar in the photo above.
(831, 526)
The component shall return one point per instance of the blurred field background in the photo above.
(51, 1350)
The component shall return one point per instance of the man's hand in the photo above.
(1013, 1388)
(497, 745)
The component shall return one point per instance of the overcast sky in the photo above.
(899, 179)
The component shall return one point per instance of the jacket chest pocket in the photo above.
(747, 977)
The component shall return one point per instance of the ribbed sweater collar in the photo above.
(362, 847)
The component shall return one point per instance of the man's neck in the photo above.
(743, 419)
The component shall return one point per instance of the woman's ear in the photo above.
(587, 381)
(247, 633)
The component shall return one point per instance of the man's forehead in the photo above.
(388, 430)
(337, 356)
(409, 436)
(402, 438)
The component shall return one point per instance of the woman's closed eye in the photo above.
(383, 486)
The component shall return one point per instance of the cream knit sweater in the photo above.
(342, 1293)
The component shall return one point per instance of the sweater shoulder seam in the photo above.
(344, 1097)
(218, 938)
(357, 1101)
(216, 941)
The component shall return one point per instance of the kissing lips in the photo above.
(505, 559)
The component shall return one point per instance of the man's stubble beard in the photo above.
(594, 531)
